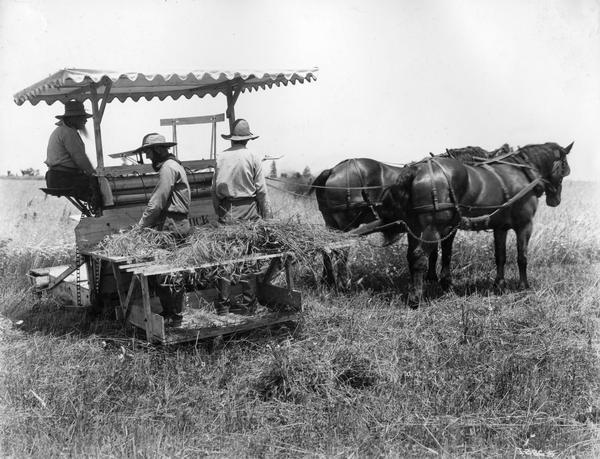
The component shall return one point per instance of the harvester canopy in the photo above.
(84, 84)
(103, 86)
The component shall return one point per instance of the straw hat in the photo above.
(241, 131)
(74, 108)
(154, 139)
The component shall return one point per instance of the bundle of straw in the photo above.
(215, 244)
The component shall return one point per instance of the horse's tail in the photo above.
(320, 181)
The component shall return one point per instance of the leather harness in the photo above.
(481, 222)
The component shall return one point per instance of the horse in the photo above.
(438, 196)
(350, 195)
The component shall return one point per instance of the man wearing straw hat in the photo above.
(167, 210)
(169, 204)
(239, 193)
(69, 168)
(239, 188)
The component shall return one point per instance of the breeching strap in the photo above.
(434, 194)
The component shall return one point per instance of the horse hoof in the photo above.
(413, 301)
(523, 285)
(500, 284)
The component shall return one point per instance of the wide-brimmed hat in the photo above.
(241, 131)
(153, 139)
(74, 108)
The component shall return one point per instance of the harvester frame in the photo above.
(121, 283)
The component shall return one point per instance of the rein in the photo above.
(305, 185)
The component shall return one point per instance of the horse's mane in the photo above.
(539, 154)
(472, 154)
(538, 150)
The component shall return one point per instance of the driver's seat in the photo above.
(84, 207)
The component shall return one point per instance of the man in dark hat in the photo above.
(69, 168)
(239, 189)
(167, 210)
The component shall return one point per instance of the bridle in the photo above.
(560, 169)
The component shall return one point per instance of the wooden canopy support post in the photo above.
(232, 94)
(213, 141)
(175, 150)
(98, 112)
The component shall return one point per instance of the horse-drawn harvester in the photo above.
(122, 282)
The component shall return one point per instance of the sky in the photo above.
(397, 79)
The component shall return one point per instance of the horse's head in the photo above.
(558, 170)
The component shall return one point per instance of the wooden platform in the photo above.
(137, 305)
(199, 324)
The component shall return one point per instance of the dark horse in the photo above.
(440, 195)
(350, 195)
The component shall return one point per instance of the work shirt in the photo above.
(239, 174)
(67, 150)
(172, 194)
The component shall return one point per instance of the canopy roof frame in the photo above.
(101, 87)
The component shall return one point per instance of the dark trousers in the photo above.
(171, 298)
(76, 184)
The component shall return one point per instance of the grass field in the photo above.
(470, 374)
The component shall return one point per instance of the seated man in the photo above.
(68, 165)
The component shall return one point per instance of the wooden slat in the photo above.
(119, 281)
(60, 278)
(193, 120)
(135, 265)
(153, 270)
(157, 323)
(166, 269)
(127, 305)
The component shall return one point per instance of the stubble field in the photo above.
(472, 373)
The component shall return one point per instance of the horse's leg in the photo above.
(523, 235)
(431, 271)
(500, 254)
(446, 273)
(344, 275)
(418, 254)
(412, 256)
(328, 276)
